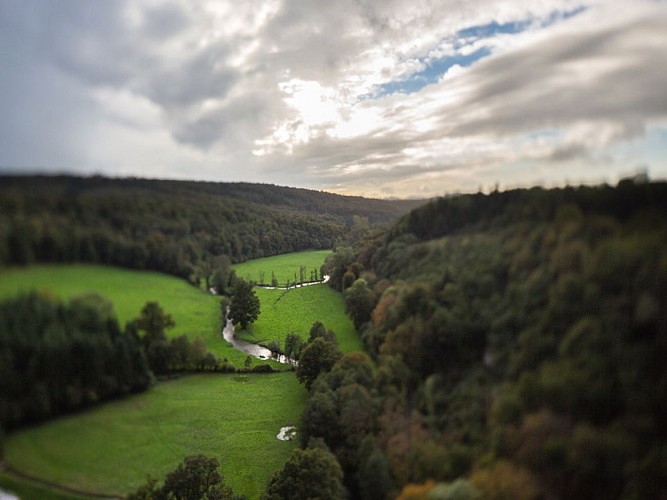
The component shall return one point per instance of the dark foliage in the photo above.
(520, 339)
(318, 355)
(197, 477)
(178, 354)
(310, 474)
(180, 228)
(58, 357)
(244, 306)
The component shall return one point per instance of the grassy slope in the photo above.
(29, 490)
(296, 310)
(284, 266)
(196, 313)
(233, 418)
(128, 437)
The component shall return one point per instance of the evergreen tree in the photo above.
(244, 307)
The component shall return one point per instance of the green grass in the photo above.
(284, 266)
(196, 313)
(113, 447)
(30, 490)
(296, 310)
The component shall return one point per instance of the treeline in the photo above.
(57, 357)
(175, 227)
(446, 216)
(176, 355)
(518, 350)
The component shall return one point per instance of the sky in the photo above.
(378, 98)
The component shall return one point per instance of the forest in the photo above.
(176, 227)
(517, 344)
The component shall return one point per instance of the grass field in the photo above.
(196, 313)
(284, 266)
(113, 447)
(296, 310)
(29, 490)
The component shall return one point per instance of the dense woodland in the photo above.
(180, 228)
(518, 344)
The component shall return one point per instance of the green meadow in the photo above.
(196, 313)
(285, 266)
(113, 447)
(296, 310)
(31, 490)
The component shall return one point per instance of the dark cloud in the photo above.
(234, 124)
(203, 76)
(568, 152)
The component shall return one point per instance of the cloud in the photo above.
(305, 93)
(609, 75)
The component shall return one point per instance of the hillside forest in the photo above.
(517, 345)
(180, 228)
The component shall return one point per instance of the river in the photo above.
(257, 351)
(229, 334)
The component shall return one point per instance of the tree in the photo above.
(336, 264)
(244, 308)
(92, 311)
(318, 330)
(319, 356)
(373, 476)
(196, 477)
(223, 281)
(359, 302)
(294, 345)
(308, 474)
(319, 418)
(154, 321)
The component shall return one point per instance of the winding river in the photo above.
(257, 351)
(229, 334)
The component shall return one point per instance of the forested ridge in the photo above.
(518, 342)
(177, 227)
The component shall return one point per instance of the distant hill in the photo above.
(178, 227)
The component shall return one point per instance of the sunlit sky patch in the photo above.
(370, 97)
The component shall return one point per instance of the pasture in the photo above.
(296, 310)
(113, 447)
(26, 489)
(285, 267)
(196, 313)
